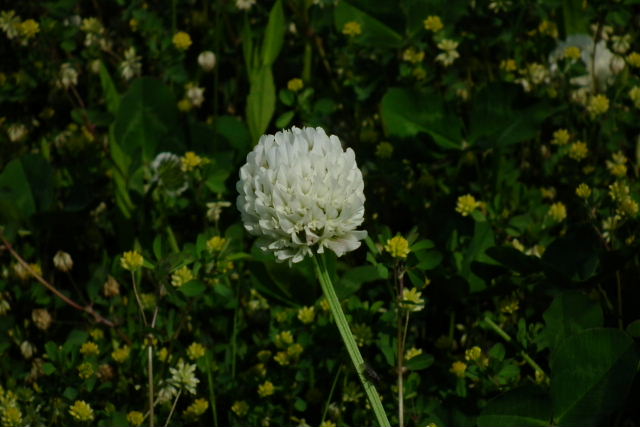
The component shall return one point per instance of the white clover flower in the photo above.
(245, 4)
(183, 376)
(131, 66)
(17, 132)
(298, 189)
(207, 60)
(166, 171)
(68, 76)
(195, 95)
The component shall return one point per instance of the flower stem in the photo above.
(349, 341)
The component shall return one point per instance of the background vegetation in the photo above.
(498, 141)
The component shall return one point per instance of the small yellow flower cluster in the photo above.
(81, 411)
(572, 52)
(191, 161)
(197, 408)
(412, 299)
(458, 369)
(196, 351)
(634, 94)
(294, 85)
(548, 193)
(131, 260)
(633, 59)
(619, 192)
(181, 276)
(558, 212)
(307, 314)
(327, 423)
(283, 339)
(617, 165)
(578, 151)
(548, 28)
(598, 104)
(384, 150)
(561, 137)
(163, 354)
(135, 418)
(121, 354)
(216, 244)
(508, 65)
(413, 55)
(182, 40)
(266, 389)
(412, 352)
(85, 370)
(352, 28)
(467, 204)
(583, 191)
(398, 247)
(433, 23)
(240, 408)
(509, 305)
(90, 349)
(12, 417)
(29, 28)
(473, 354)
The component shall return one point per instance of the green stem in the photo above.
(349, 341)
(333, 386)
(212, 396)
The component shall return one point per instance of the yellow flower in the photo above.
(96, 334)
(548, 28)
(548, 193)
(384, 150)
(617, 169)
(12, 417)
(295, 350)
(412, 55)
(181, 276)
(195, 351)
(163, 354)
(420, 74)
(558, 212)
(197, 408)
(628, 207)
(412, 299)
(91, 25)
(184, 105)
(216, 244)
(561, 137)
(182, 40)
(121, 354)
(90, 349)
(352, 28)
(572, 52)
(85, 370)
(266, 389)
(135, 418)
(458, 368)
(29, 28)
(240, 408)
(578, 151)
(508, 65)
(598, 104)
(190, 161)
(398, 247)
(282, 358)
(131, 260)
(412, 352)
(133, 24)
(283, 339)
(583, 191)
(473, 354)
(466, 204)
(81, 411)
(433, 23)
(633, 59)
(306, 314)
(295, 85)
(634, 94)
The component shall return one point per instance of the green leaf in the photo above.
(524, 406)
(422, 361)
(574, 256)
(274, 35)
(482, 240)
(633, 328)
(261, 102)
(428, 260)
(514, 259)
(407, 112)
(48, 368)
(284, 119)
(234, 131)
(568, 314)
(591, 374)
(374, 32)
(75, 339)
(112, 97)
(576, 20)
(193, 288)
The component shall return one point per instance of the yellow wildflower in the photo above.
(598, 104)
(197, 408)
(185, 105)
(216, 244)
(282, 358)
(472, 354)
(617, 169)
(412, 352)
(12, 417)
(578, 151)
(91, 25)
(85, 370)
(327, 423)
(131, 260)
(634, 94)
(163, 354)
(266, 389)
(135, 418)
(283, 339)
(384, 150)
(324, 304)
(548, 28)
(96, 334)
(466, 204)
(548, 193)
(420, 74)
(583, 191)
(618, 191)
(295, 350)
(412, 299)
(412, 55)
(352, 28)
(398, 247)
(558, 212)
(307, 314)
(181, 276)
(561, 137)
(572, 52)
(90, 349)
(133, 24)
(121, 354)
(433, 23)
(81, 411)
(508, 65)
(295, 85)
(195, 351)
(240, 408)
(633, 59)
(182, 40)
(458, 368)
(190, 161)
(628, 207)
(29, 28)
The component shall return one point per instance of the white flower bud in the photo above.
(62, 261)
(207, 60)
(27, 349)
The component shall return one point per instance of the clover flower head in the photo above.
(412, 299)
(166, 170)
(81, 411)
(458, 369)
(558, 211)
(433, 23)
(131, 260)
(561, 137)
(398, 247)
(183, 376)
(306, 314)
(473, 353)
(207, 60)
(578, 151)
(240, 408)
(182, 40)
(299, 191)
(196, 351)
(63, 261)
(633, 59)
(352, 28)
(583, 191)
(131, 66)
(135, 418)
(197, 408)
(266, 389)
(295, 84)
(598, 104)
(412, 352)
(181, 276)
(466, 204)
